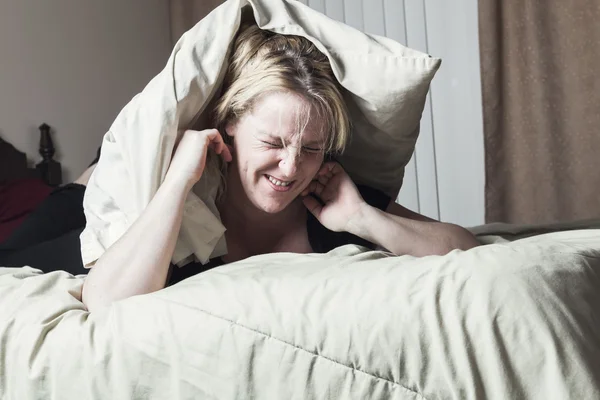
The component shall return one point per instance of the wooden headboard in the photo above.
(13, 163)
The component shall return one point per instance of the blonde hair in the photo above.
(264, 62)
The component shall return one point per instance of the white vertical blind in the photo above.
(335, 9)
(373, 17)
(452, 34)
(425, 160)
(318, 5)
(353, 13)
(394, 21)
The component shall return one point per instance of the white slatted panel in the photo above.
(395, 28)
(374, 19)
(353, 11)
(335, 9)
(452, 33)
(395, 22)
(426, 166)
(318, 5)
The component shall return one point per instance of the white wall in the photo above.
(74, 64)
(445, 177)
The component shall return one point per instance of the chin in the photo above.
(271, 206)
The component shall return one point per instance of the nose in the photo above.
(289, 162)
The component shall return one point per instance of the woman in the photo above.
(279, 122)
(282, 112)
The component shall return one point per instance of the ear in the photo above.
(230, 129)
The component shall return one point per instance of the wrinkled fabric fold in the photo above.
(508, 320)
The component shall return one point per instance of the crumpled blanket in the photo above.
(509, 320)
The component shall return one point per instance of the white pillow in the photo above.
(386, 86)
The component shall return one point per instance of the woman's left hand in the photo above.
(343, 204)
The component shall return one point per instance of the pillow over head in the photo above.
(385, 85)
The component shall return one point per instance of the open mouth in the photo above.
(279, 185)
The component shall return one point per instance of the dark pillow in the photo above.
(18, 198)
(13, 163)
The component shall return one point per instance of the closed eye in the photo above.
(278, 146)
(271, 144)
(312, 150)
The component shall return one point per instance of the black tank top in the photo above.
(321, 239)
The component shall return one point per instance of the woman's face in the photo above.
(278, 150)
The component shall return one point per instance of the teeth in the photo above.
(277, 182)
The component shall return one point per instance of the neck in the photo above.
(237, 210)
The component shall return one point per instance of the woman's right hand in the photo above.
(127, 268)
(189, 158)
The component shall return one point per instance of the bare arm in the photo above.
(402, 231)
(138, 262)
(397, 229)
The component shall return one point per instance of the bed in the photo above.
(508, 320)
(23, 187)
(515, 318)
(14, 164)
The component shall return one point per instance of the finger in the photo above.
(215, 141)
(211, 133)
(319, 187)
(226, 153)
(323, 180)
(323, 170)
(313, 206)
(309, 189)
(334, 167)
(314, 187)
(218, 145)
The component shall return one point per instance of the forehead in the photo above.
(286, 115)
